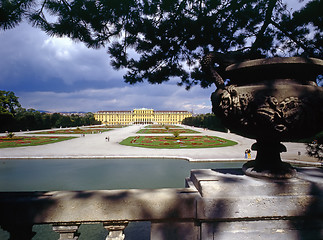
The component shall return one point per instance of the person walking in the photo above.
(249, 154)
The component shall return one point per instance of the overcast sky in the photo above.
(59, 75)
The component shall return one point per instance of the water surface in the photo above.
(98, 174)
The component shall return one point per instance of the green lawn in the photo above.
(163, 130)
(74, 131)
(109, 126)
(179, 142)
(162, 126)
(6, 142)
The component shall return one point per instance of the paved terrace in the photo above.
(96, 146)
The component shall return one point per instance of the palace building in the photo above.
(141, 116)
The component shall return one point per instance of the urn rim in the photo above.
(276, 61)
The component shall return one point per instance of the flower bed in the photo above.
(29, 141)
(169, 142)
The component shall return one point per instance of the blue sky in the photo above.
(58, 75)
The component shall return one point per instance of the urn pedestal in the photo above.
(271, 100)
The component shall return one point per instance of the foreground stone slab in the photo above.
(236, 206)
(97, 206)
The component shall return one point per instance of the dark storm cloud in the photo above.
(32, 61)
(56, 74)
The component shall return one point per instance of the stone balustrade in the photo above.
(216, 204)
(66, 210)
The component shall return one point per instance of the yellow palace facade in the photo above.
(141, 116)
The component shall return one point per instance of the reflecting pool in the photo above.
(98, 174)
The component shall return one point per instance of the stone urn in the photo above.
(271, 100)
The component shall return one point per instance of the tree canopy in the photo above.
(156, 40)
(8, 102)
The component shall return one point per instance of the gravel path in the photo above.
(96, 146)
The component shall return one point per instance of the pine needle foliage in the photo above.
(156, 40)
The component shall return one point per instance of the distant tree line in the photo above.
(30, 119)
(209, 121)
(15, 118)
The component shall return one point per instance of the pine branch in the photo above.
(267, 21)
(289, 35)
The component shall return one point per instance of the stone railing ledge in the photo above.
(221, 202)
(97, 206)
